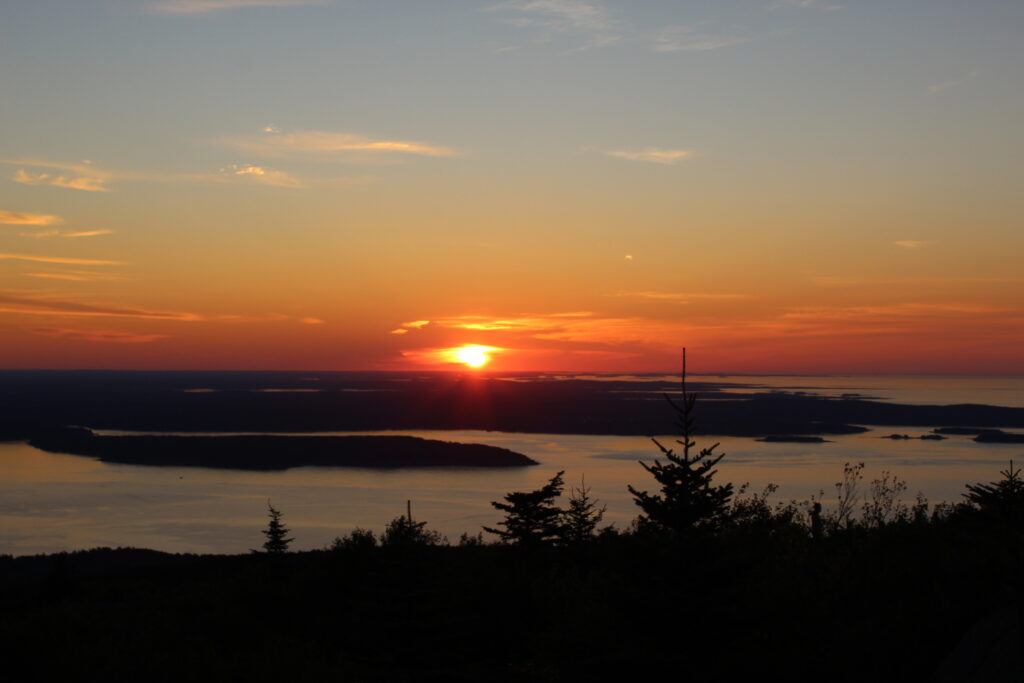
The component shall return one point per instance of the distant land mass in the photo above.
(263, 452)
(33, 402)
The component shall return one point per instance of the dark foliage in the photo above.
(688, 499)
(1003, 499)
(531, 517)
(902, 596)
(579, 521)
(276, 532)
(404, 532)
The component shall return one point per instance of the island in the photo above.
(983, 435)
(275, 452)
(792, 438)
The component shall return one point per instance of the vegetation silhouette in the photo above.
(579, 521)
(892, 590)
(402, 531)
(688, 500)
(1004, 499)
(531, 517)
(276, 532)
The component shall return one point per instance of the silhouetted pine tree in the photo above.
(531, 517)
(276, 533)
(688, 499)
(1004, 498)
(580, 521)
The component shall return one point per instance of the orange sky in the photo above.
(790, 187)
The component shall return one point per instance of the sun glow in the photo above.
(472, 355)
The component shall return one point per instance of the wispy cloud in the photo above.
(844, 281)
(110, 336)
(901, 311)
(806, 4)
(414, 325)
(88, 233)
(651, 155)
(599, 26)
(592, 22)
(40, 219)
(682, 297)
(58, 259)
(262, 175)
(43, 234)
(76, 276)
(273, 143)
(691, 39)
(945, 85)
(41, 305)
(206, 6)
(912, 244)
(99, 179)
(83, 183)
(311, 321)
(563, 15)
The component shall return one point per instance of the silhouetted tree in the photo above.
(688, 499)
(531, 517)
(357, 539)
(403, 531)
(580, 521)
(276, 533)
(1004, 498)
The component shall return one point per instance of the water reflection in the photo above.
(51, 502)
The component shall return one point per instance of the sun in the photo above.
(474, 356)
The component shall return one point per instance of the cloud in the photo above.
(562, 15)
(903, 311)
(83, 183)
(76, 276)
(326, 143)
(681, 297)
(42, 234)
(88, 233)
(263, 176)
(311, 321)
(97, 335)
(691, 39)
(651, 155)
(842, 281)
(206, 6)
(15, 218)
(414, 325)
(593, 22)
(806, 4)
(37, 305)
(911, 244)
(939, 87)
(58, 259)
(248, 173)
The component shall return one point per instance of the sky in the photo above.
(781, 186)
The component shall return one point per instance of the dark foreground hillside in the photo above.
(759, 599)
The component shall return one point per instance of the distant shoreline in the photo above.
(273, 452)
(283, 402)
